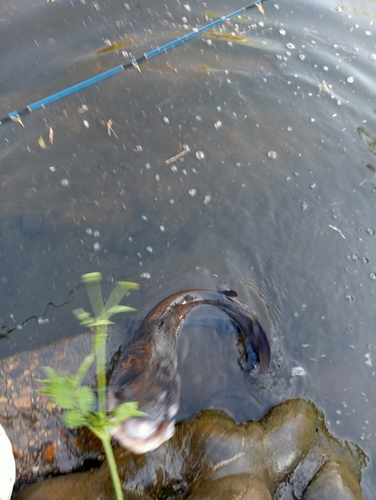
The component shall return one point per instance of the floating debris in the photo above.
(110, 130)
(185, 151)
(229, 37)
(338, 231)
(41, 142)
(128, 42)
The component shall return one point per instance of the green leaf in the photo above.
(101, 321)
(118, 293)
(85, 399)
(125, 411)
(81, 314)
(119, 309)
(128, 285)
(73, 419)
(59, 388)
(83, 368)
(90, 278)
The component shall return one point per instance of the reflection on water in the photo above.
(274, 198)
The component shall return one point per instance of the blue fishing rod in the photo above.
(15, 116)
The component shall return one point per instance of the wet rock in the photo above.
(335, 481)
(289, 452)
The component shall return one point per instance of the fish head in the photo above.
(156, 388)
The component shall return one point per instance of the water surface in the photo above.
(275, 199)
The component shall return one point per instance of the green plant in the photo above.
(82, 406)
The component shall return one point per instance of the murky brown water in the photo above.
(275, 199)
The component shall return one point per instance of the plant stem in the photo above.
(101, 337)
(113, 468)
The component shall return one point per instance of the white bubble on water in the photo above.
(96, 234)
(162, 228)
(350, 79)
(145, 275)
(89, 231)
(373, 57)
(192, 192)
(65, 182)
(96, 246)
(370, 231)
(272, 155)
(200, 155)
(298, 371)
(218, 124)
(166, 120)
(368, 360)
(290, 46)
(149, 249)
(373, 276)
(207, 199)
(282, 32)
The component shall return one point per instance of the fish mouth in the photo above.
(140, 434)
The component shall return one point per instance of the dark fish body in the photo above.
(147, 371)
